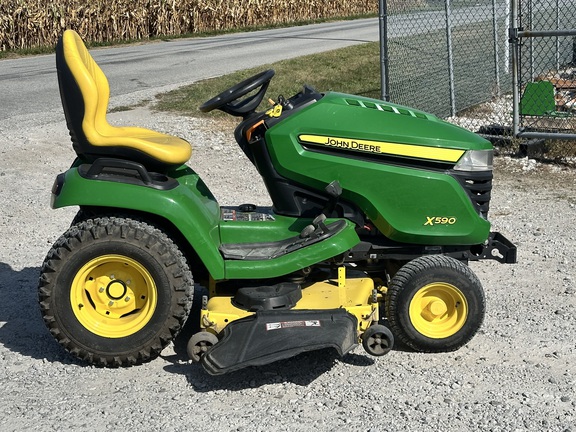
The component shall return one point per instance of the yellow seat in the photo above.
(85, 93)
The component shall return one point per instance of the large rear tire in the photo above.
(115, 291)
(435, 304)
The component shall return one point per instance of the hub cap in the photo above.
(113, 296)
(438, 310)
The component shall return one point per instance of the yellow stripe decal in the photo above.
(380, 147)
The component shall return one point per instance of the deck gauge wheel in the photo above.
(377, 340)
(199, 344)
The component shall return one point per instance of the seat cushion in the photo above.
(167, 149)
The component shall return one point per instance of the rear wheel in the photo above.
(115, 291)
(435, 304)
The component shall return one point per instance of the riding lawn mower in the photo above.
(376, 211)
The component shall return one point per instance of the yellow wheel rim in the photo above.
(113, 296)
(438, 310)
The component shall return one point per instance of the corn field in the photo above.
(36, 23)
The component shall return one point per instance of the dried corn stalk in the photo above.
(33, 23)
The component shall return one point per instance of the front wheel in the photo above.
(435, 304)
(115, 291)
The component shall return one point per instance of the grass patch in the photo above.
(418, 71)
(26, 52)
(52, 48)
(354, 70)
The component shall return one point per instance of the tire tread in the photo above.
(411, 270)
(79, 236)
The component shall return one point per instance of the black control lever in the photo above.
(334, 190)
(318, 223)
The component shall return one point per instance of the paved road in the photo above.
(29, 85)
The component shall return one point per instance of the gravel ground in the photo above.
(518, 373)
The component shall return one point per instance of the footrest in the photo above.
(268, 336)
(271, 250)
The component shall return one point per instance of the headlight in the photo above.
(476, 160)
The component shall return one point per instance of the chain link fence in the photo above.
(450, 56)
(454, 58)
(545, 52)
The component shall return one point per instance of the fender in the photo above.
(190, 206)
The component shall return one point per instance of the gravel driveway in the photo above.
(518, 373)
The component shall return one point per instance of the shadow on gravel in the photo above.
(22, 330)
(300, 370)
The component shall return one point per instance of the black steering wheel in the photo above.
(246, 106)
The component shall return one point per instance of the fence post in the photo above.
(496, 43)
(384, 75)
(507, 52)
(531, 40)
(557, 38)
(512, 31)
(450, 57)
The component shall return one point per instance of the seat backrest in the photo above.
(85, 94)
(84, 90)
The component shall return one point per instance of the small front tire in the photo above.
(435, 304)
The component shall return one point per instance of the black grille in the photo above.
(478, 186)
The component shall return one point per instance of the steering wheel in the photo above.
(246, 106)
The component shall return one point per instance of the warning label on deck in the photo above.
(291, 324)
